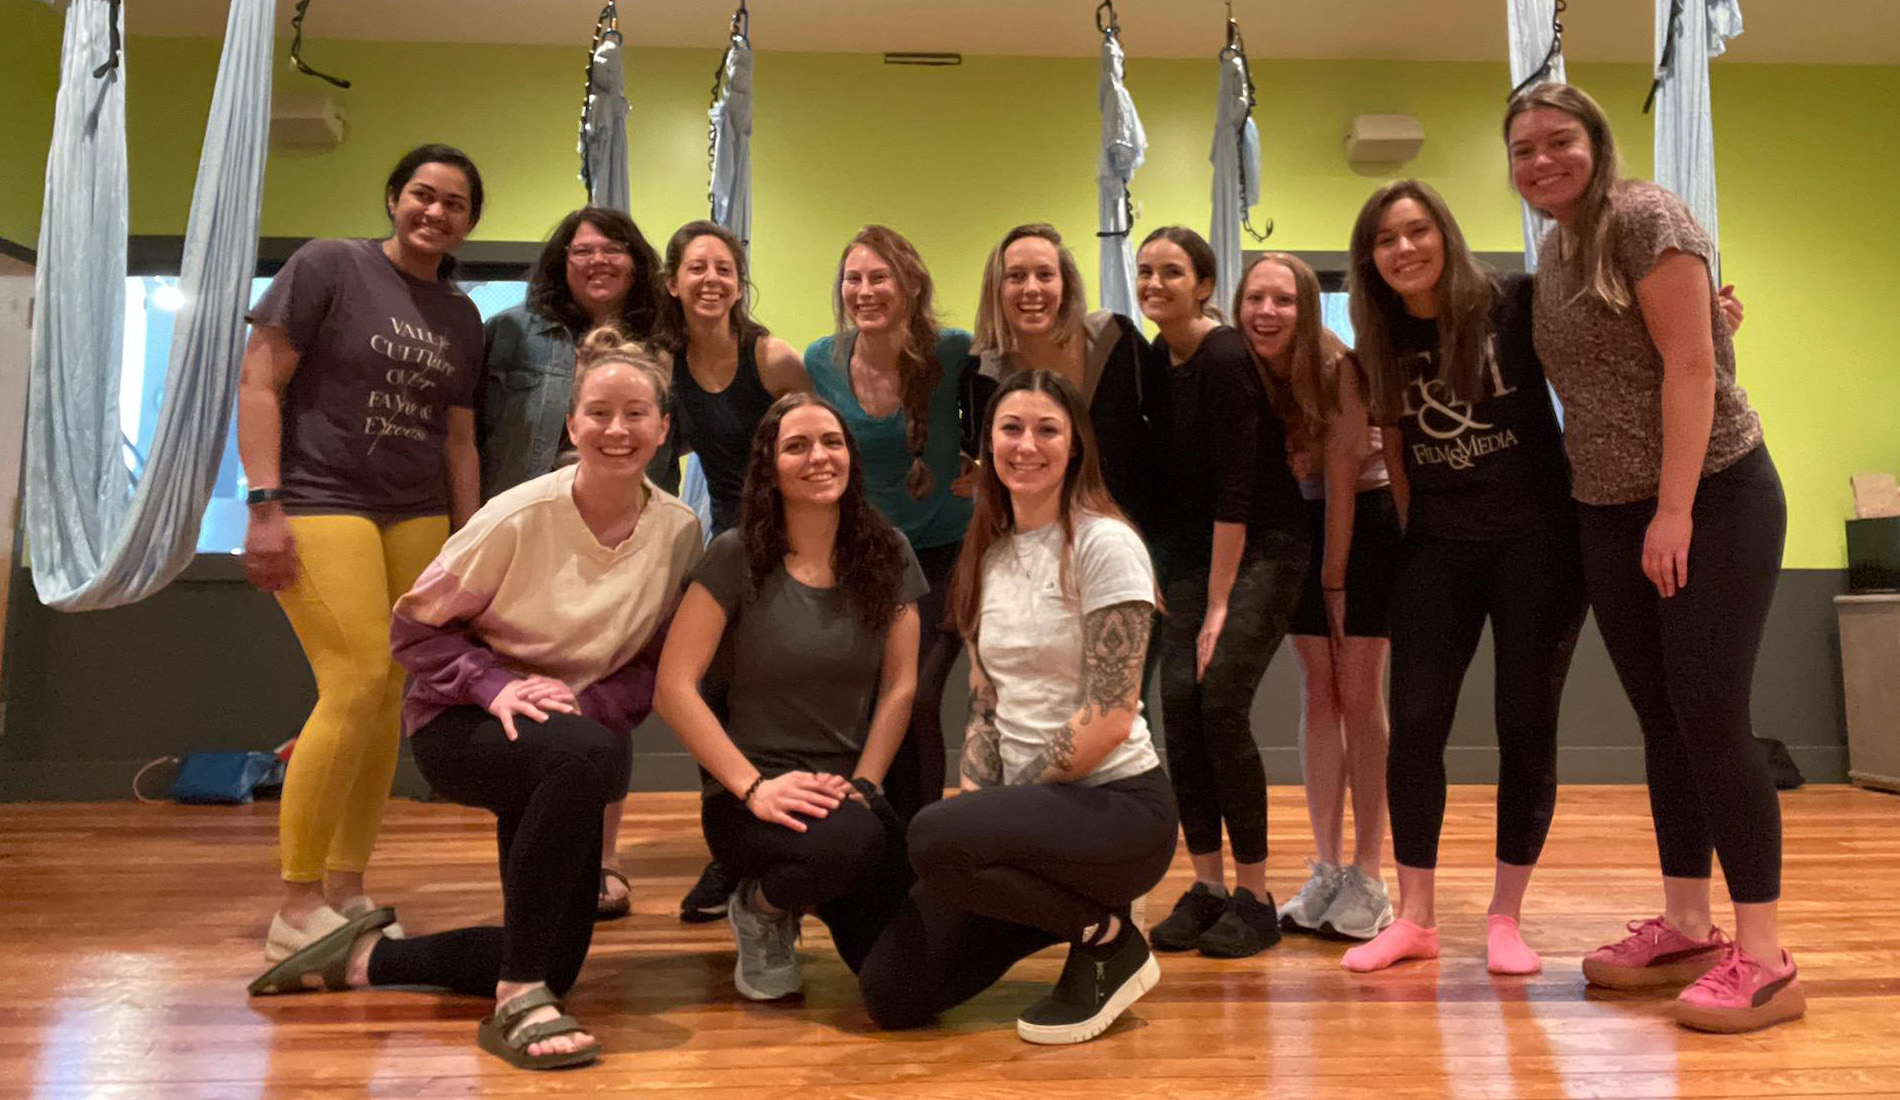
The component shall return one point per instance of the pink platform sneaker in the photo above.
(1654, 955)
(1740, 993)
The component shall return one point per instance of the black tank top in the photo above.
(719, 426)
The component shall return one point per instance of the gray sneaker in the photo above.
(1360, 910)
(1305, 909)
(768, 958)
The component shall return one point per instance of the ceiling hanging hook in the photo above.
(1556, 49)
(296, 48)
(1106, 21)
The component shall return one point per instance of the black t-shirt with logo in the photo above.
(1491, 469)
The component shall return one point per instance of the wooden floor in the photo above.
(127, 934)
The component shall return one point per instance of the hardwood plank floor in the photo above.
(127, 933)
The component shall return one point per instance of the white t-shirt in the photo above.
(1030, 636)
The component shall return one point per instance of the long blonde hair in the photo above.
(993, 334)
(1308, 398)
(1584, 248)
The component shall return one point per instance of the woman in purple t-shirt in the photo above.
(357, 431)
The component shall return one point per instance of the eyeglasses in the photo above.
(588, 253)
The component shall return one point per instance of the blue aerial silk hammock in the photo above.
(1537, 55)
(100, 538)
(1688, 34)
(731, 121)
(1124, 147)
(1236, 161)
(604, 118)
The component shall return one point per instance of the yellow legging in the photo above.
(349, 573)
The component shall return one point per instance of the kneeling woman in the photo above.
(531, 643)
(1068, 817)
(815, 593)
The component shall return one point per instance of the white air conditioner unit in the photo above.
(1384, 139)
(305, 122)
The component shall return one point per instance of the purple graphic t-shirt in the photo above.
(382, 356)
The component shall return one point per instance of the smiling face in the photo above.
(707, 282)
(1031, 439)
(813, 460)
(1269, 309)
(1032, 287)
(432, 213)
(599, 271)
(1409, 251)
(616, 424)
(1165, 280)
(1551, 160)
(872, 297)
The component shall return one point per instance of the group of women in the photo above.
(1073, 505)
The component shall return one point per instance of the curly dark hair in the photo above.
(547, 282)
(868, 556)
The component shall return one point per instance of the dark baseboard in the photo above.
(210, 664)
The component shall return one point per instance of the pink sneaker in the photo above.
(1653, 955)
(1741, 994)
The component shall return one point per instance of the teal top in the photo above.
(941, 518)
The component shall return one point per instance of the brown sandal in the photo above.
(612, 908)
(503, 1036)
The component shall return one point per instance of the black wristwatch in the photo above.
(263, 496)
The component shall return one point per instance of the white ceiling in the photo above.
(1824, 31)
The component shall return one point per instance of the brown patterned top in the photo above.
(1606, 369)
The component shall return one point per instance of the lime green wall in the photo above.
(954, 156)
(29, 78)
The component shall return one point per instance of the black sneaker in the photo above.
(1097, 985)
(1248, 927)
(1194, 914)
(707, 900)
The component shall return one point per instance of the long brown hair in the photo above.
(1465, 290)
(918, 371)
(670, 332)
(1585, 248)
(867, 554)
(1308, 398)
(1083, 490)
(993, 333)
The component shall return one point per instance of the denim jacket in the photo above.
(524, 399)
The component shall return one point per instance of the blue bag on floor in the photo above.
(222, 778)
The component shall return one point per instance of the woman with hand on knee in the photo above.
(813, 597)
(531, 644)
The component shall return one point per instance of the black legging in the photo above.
(547, 791)
(848, 867)
(1212, 757)
(1003, 873)
(1531, 588)
(1688, 664)
(916, 775)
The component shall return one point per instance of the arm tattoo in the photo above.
(1114, 645)
(1114, 642)
(1056, 758)
(982, 744)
